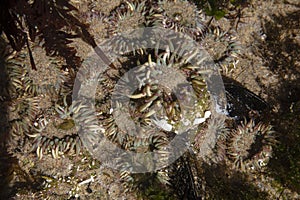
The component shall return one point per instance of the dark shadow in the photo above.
(285, 164)
(280, 52)
(191, 180)
(51, 22)
(9, 166)
(221, 184)
(242, 103)
(5, 165)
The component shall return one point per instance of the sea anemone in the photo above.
(47, 79)
(223, 46)
(250, 145)
(22, 112)
(98, 25)
(210, 142)
(180, 16)
(56, 146)
(54, 130)
(156, 89)
(123, 25)
(104, 6)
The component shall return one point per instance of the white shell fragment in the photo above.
(201, 120)
(163, 124)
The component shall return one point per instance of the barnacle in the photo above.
(181, 16)
(250, 146)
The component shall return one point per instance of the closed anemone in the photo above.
(48, 77)
(181, 12)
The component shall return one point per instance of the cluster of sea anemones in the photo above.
(33, 96)
(150, 103)
(154, 93)
(247, 147)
